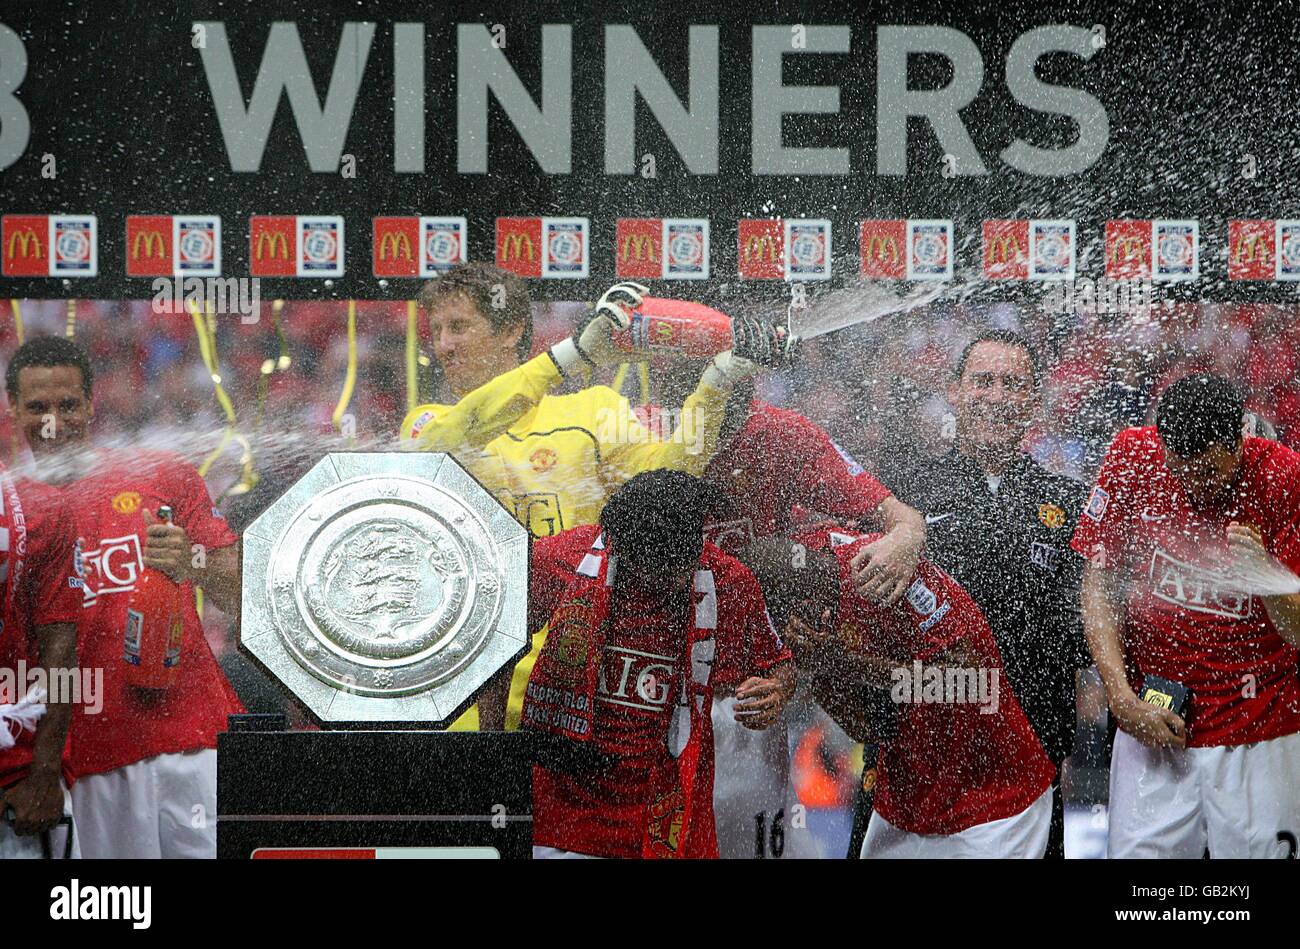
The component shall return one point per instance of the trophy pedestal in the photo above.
(360, 794)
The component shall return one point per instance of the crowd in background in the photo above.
(878, 388)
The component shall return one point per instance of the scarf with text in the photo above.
(562, 692)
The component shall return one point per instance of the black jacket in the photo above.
(1011, 551)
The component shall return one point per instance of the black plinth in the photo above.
(403, 794)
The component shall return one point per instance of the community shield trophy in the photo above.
(385, 588)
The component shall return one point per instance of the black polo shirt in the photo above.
(1010, 549)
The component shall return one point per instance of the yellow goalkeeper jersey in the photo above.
(553, 460)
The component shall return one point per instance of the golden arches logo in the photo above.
(757, 244)
(513, 244)
(1002, 246)
(154, 245)
(1127, 249)
(24, 240)
(879, 245)
(643, 245)
(394, 242)
(279, 245)
(1250, 247)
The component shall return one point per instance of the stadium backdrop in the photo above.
(1199, 111)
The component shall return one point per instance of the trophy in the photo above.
(384, 589)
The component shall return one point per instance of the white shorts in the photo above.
(751, 777)
(160, 807)
(13, 847)
(1239, 800)
(1021, 836)
(555, 853)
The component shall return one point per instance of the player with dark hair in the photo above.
(775, 467)
(964, 775)
(1000, 524)
(646, 622)
(1191, 611)
(146, 764)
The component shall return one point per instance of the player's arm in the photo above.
(1248, 549)
(691, 448)
(490, 410)
(37, 800)
(1103, 627)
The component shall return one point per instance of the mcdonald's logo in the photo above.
(883, 248)
(21, 244)
(279, 245)
(1252, 250)
(643, 245)
(881, 245)
(153, 243)
(1005, 248)
(1251, 247)
(512, 247)
(1126, 250)
(394, 242)
(757, 244)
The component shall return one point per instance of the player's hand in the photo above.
(810, 643)
(618, 303)
(1246, 544)
(1152, 726)
(166, 547)
(592, 343)
(883, 569)
(726, 370)
(759, 702)
(37, 803)
(761, 341)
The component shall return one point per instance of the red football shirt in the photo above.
(49, 592)
(604, 814)
(960, 758)
(778, 463)
(133, 726)
(1184, 620)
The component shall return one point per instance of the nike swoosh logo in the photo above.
(935, 518)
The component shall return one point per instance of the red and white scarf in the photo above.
(561, 699)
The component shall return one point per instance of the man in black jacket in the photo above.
(1001, 524)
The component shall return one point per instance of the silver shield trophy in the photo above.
(385, 587)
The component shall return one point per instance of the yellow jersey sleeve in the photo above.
(483, 414)
(629, 449)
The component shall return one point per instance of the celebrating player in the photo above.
(146, 765)
(646, 622)
(772, 466)
(964, 776)
(552, 460)
(41, 605)
(1184, 531)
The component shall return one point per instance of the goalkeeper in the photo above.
(553, 460)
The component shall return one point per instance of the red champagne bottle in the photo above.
(155, 625)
